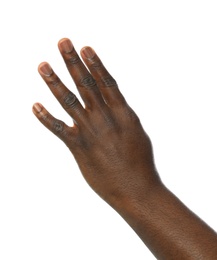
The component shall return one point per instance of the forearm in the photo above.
(168, 228)
(109, 144)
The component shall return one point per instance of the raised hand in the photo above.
(107, 140)
(115, 157)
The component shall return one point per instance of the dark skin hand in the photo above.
(115, 157)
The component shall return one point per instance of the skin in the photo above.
(115, 156)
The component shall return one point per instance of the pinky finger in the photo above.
(57, 127)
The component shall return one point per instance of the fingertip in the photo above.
(45, 69)
(37, 108)
(88, 52)
(65, 45)
(41, 64)
(63, 39)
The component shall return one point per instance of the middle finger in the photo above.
(84, 81)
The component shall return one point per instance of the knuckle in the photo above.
(132, 116)
(110, 122)
(58, 127)
(70, 100)
(82, 143)
(88, 82)
(66, 136)
(44, 117)
(97, 65)
(108, 81)
(54, 81)
(73, 60)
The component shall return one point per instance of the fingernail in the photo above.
(37, 107)
(45, 69)
(89, 53)
(66, 45)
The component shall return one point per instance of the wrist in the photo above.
(140, 199)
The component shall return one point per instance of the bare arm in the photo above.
(115, 157)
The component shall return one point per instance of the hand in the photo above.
(115, 156)
(107, 140)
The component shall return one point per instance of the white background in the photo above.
(164, 56)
